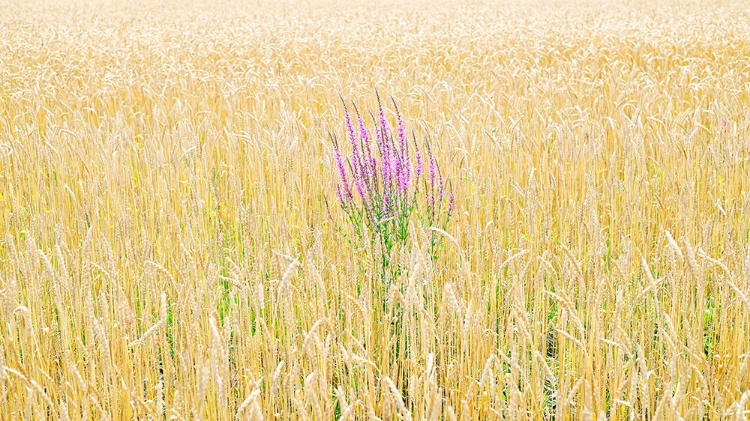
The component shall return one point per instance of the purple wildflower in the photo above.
(347, 193)
(363, 133)
(402, 135)
(383, 123)
(359, 184)
(357, 167)
(385, 165)
(406, 169)
(340, 196)
(432, 173)
(441, 188)
(350, 128)
(401, 174)
(403, 165)
(395, 163)
(418, 169)
(378, 136)
(370, 163)
(407, 172)
(397, 169)
(385, 156)
(390, 176)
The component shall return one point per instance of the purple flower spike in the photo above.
(441, 188)
(347, 193)
(395, 163)
(379, 138)
(357, 166)
(349, 127)
(383, 124)
(369, 164)
(360, 186)
(401, 176)
(432, 173)
(385, 166)
(418, 169)
(403, 163)
(340, 196)
(407, 172)
(341, 167)
(363, 133)
(402, 135)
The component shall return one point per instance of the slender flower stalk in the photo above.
(340, 196)
(346, 193)
(433, 171)
(359, 184)
(441, 188)
(418, 168)
(364, 136)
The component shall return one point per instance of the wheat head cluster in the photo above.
(172, 247)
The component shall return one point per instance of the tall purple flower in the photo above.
(346, 195)
(404, 164)
(370, 162)
(357, 167)
(340, 196)
(383, 122)
(441, 188)
(406, 170)
(401, 174)
(432, 170)
(350, 128)
(385, 167)
(359, 184)
(418, 168)
(401, 135)
(363, 133)
(388, 165)
(385, 155)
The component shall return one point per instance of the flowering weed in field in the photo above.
(382, 186)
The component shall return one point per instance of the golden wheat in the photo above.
(168, 252)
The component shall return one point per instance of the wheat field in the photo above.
(166, 179)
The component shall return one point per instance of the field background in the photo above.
(166, 251)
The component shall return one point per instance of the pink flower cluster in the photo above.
(380, 180)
